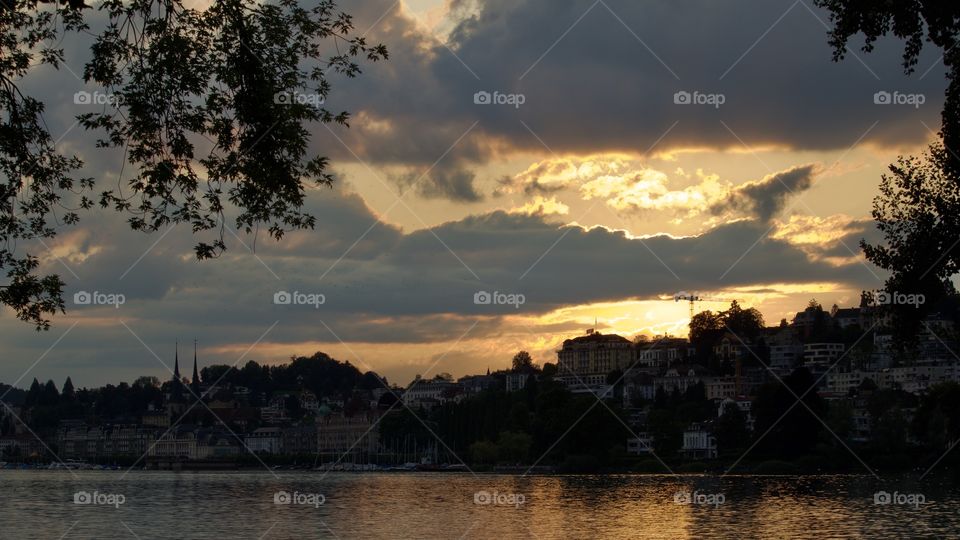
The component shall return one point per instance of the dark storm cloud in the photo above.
(609, 83)
(435, 272)
(381, 285)
(765, 198)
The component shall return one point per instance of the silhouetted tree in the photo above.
(522, 363)
(68, 394)
(731, 429)
(917, 22)
(233, 73)
(791, 428)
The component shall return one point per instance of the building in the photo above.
(917, 379)
(125, 440)
(721, 387)
(642, 444)
(843, 382)
(155, 418)
(846, 317)
(275, 411)
(77, 440)
(786, 350)
(663, 352)
(267, 440)
(309, 401)
(217, 444)
(731, 348)
(680, 378)
(179, 442)
(515, 382)
(819, 357)
(698, 443)
(20, 446)
(338, 435)
(586, 360)
(474, 384)
(429, 392)
(300, 440)
(638, 387)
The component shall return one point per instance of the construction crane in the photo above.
(693, 298)
(690, 297)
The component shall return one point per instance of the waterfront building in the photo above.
(585, 361)
(698, 443)
(267, 440)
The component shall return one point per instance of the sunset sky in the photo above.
(597, 198)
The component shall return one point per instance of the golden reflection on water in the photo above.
(39, 504)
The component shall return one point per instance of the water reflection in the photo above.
(41, 504)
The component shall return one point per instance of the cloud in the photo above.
(601, 78)
(604, 86)
(766, 197)
(631, 186)
(441, 182)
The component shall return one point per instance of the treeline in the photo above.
(496, 427)
(546, 424)
(47, 406)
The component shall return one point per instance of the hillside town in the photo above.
(695, 399)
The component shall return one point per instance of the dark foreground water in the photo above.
(294, 504)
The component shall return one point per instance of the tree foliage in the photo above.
(917, 207)
(932, 21)
(918, 213)
(209, 106)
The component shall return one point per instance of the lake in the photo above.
(310, 504)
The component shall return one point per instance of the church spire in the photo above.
(176, 390)
(176, 362)
(195, 383)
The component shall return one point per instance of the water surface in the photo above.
(213, 505)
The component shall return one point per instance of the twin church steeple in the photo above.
(177, 389)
